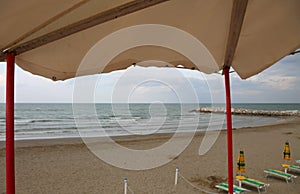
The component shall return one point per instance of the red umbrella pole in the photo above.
(229, 130)
(10, 146)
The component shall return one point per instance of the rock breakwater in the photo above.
(249, 112)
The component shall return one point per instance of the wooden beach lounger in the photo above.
(288, 177)
(261, 187)
(290, 167)
(236, 189)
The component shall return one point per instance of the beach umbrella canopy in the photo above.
(240, 167)
(287, 151)
(51, 37)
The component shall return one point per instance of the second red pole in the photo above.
(10, 137)
(229, 130)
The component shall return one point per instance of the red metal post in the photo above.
(229, 130)
(10, 140)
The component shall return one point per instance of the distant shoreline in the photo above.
(56, 121)
(71, 138)
(76, 140)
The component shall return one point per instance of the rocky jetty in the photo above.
(249, 112)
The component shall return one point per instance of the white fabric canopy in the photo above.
(270, 31)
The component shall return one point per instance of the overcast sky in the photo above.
(278, 84)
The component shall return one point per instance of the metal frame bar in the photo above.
(81, 25)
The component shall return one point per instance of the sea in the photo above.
(59, 120)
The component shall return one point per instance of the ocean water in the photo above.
(43, 121)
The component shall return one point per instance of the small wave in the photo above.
(39, 129)
(45, 120)
(250, 112)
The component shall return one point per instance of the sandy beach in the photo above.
(68, 166)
